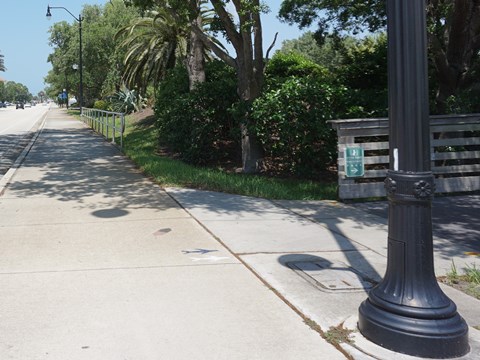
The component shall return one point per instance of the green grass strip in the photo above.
(140, 145)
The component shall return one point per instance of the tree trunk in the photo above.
(252, 151)
(454, 49)
(249, 65)
(196, 56)
(248, 90)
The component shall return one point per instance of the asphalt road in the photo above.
(16, 129)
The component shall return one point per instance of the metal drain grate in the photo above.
(332, 277)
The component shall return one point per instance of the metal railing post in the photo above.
(99, 121)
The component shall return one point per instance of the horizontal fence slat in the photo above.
(456, 142)
(359, 191)
(364, 132)
(454, 128)
(459, 155)
(452, 169)
(380, 145)
(460, 184)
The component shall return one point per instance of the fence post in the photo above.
(113, 128)
(122, 128)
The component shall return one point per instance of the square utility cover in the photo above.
(332, 276)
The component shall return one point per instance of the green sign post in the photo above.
(354, 162)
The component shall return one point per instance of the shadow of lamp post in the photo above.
(79, 20)
(408, 312)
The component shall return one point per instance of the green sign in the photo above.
(354, 164)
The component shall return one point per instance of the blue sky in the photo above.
(24, 35)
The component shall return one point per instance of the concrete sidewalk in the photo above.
(99, 263)
(281, 240)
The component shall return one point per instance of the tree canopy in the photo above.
(102, 61)
(335, 15)
(453, 34)
(12, 91)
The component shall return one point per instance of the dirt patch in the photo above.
(463, 285)
(143, 115)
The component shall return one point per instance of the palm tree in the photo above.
(163, 39)
(154, 44)
(2, 63)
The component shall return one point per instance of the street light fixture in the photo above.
(79, 20)
(408, 312)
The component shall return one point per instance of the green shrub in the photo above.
(466, 101)
(364, 72)
(283, 66)
(291, 124)
(290, 116)
(198, 124)
(100, 105)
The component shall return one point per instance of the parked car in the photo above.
(20, 105)
(2, 104)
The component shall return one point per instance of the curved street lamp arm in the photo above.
(61, 7)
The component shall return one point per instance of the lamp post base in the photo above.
(407, 312)
(430, 338)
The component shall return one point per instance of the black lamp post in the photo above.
(408, 312)
(79, 20)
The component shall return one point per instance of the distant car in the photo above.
(27, 104)
(2, 105)
(20, 105)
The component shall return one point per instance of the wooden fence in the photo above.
(455, 155)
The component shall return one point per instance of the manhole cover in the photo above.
(332, 277)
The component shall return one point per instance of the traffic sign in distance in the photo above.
(354, 162)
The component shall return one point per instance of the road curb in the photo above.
(5, 180)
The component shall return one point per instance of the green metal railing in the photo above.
(107, 123)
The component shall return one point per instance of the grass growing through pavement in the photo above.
(338, 334)
(468, 282)
(140, 145)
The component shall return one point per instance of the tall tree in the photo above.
(100, 58)
(184, 15)
(327, 54)
(453, 33)
(163, 37)
(247, 39)
(152, 44)
(16, 92)
(245, 35)
(2, 63)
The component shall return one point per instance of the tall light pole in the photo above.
(408, 312)
(79, 20)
